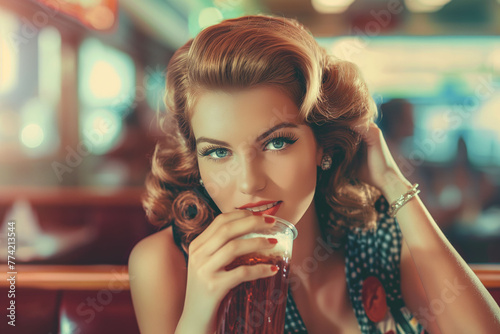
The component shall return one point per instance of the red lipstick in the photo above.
(271, 211)
(252, 205)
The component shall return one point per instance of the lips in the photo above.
(263, 207)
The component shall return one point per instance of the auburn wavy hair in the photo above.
(256, 50)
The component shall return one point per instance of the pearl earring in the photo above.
(326, 162)
(201, 183)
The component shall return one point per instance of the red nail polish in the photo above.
(272, 240)
(269, 220)
(275, 268)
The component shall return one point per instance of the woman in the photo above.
(261, 120)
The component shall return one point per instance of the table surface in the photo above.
(95, 277)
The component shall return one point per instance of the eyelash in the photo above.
(288, 139)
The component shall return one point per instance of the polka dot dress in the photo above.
(293, 320)
(373, 280)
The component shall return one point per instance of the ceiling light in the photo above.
(425, 6)
(331, 6)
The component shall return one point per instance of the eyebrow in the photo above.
(259, 138)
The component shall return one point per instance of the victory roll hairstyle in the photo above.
(262, 50)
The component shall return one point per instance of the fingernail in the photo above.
(272, 241)
(274, 268)
(269, 220)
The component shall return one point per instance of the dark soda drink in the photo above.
(256, 307)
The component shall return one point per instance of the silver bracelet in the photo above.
(402, 200)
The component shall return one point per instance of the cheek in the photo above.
(297, 172)
(297, 182)
(216, 180)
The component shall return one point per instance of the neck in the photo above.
(311, 254)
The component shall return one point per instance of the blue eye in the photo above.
(281, 141)
(219, 153)
(214, 153)
(278, 143)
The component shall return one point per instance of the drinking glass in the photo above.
(259, 306)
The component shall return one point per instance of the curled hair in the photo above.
(262, 50)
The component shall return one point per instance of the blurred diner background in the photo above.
(81, 82)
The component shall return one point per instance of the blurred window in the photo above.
(107, 92)
(30, 85)
(451, 81)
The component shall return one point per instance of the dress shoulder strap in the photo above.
(177, 240)
(373, 276)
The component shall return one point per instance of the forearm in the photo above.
(188, 327)
(195, 323)
(460, 301)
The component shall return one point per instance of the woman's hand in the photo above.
(208, 282)
(379, 168)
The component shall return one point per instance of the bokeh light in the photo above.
(32, 135)
(106, 76)
(209, 16)
(49, 65)
(104, 81)
(331, 6)
(100, 130)
(8, 51)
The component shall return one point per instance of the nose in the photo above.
(252, 177)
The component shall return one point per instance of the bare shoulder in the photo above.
(158, 246)
(157, 274)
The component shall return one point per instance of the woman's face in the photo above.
(254, 153)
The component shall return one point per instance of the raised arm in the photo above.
(436, 267)
(456, 299)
